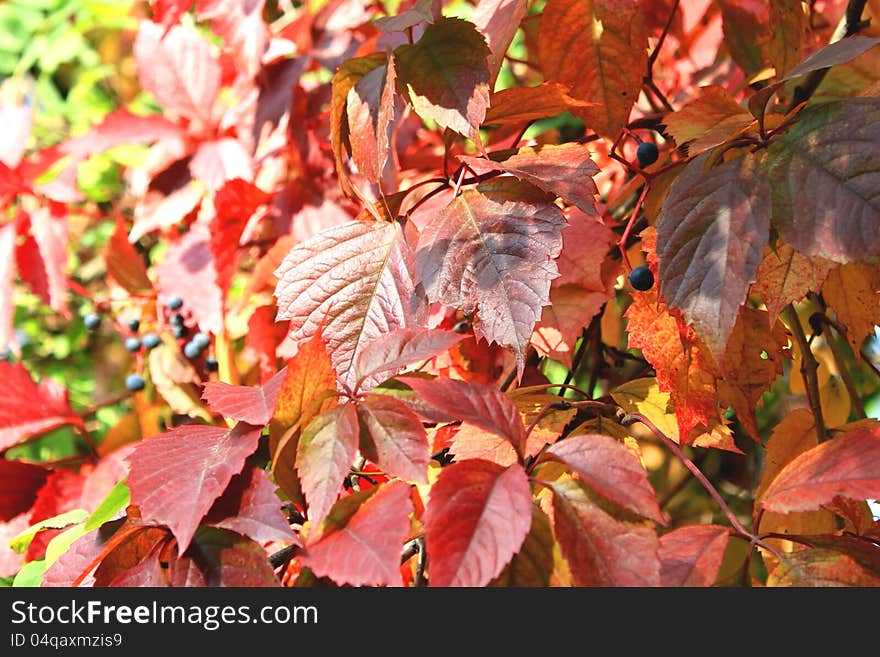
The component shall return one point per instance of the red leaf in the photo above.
(30, 265)
(176, 476)
(847, 465)
(360, 541)
(392, 437)
(122, 128)
(146, 573)
(21, 481)
(446, 77)
(610, 469)
(50, 230)
(523, 104)
(389, 353)
(217, 162)
(370, 108)
(710, 240)
(691, 556)
(234, 203)
(188, 272)
(224, 559)
(250, 507)
(242, 27)
(477, 518)
(179, 69)
(10, 561)
(786, 275)
(252, 404)
(498, 21)
(28, 409)
(325, 453)
(124, 263)
(565, 170)
(131, 551)
(157, 210)
(599, 48)
(75, 560)
(601, 550)
(492, 251)
(357, 278)
(821, 567)
(7, 278)
(480, 405)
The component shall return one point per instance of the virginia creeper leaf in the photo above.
(492, 250)
(389, 353)
(692, 555)
(833, 54)
(446, 77)
(360, 540)
(709, 119)
(533, 564)
(29, 409)
(7, 278)
(176, 476)
(824, 173)
(565, 170)
(483, 406)
(820, 567)
(853, 292)
(123, 262)
(498, 21)
(786, 275)
(21, 481)
(847, 465)
(179, 69)
(710, 240)
(599, 49)
(477, 518)
(789, 31)
(610, 469)
(252, 404)
(522, 104)
(370, 109)
(601, 550)
(392, 437)
(358, 279)
(325, 452)
(215, 163)
(250, 507)
(229, 559)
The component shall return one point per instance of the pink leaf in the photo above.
(360, 541)
(477, 518)
(481, 405)
(234, 204)
(217, 162)
(188, 272)
(610, 469)
(710, 240)
(7, 278)
(601, 550)
(50, 230)
(251, 507)
(492, 251)
(389, 353)
(252, 404)
(847, 465)
(179, 69)
(358, 279)
(692, 555)
(565, 170)
(498, 20)
(120, 127)
(370, 109)
(28, 409)
(176, 476)
(16, 121)
(325, 452)
(392, 437)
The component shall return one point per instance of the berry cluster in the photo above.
(135, 343)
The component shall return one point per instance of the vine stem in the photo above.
(809, 366)
(690, 465)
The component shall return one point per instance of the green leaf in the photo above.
(31, 574)
(21, 542)
(116, 500)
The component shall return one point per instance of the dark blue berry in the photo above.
(176, 319)
(201, 339)
(647, 153)
(191, 350)
(134, 325)
(134, 382)
(211, 364)
(180, 331)
(150, 340)
(174, 302)
(92, 321)
(132, 344)
(641, 278)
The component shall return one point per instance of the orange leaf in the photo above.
(853, 292)
(786, 275)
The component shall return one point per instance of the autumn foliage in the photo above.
(404, 232)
